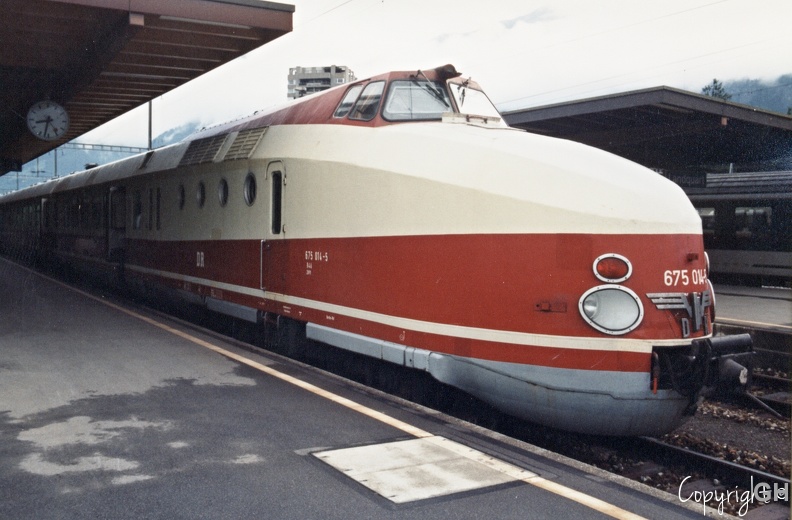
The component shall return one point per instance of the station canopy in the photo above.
(101, 58)
(673, 131)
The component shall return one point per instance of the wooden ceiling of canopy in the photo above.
(102, 58)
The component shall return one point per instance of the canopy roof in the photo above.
(102, 58)
(666, 129)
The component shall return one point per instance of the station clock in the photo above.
(48, 120)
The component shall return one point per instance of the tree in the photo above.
(716, 90)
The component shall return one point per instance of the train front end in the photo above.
(621, 299)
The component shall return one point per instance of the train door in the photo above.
(276, 176)
(116, 224)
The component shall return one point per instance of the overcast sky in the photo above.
(524, 53)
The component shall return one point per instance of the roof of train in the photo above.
(101, 58)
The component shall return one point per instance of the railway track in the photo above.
(771, 388)
(773, 392)
(729, 473)
(723, 485)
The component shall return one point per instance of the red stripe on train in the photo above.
(520, 283)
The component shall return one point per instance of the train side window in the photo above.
(46, 207)
(707, 220)
(73, 213)
(100, 203)
(61, 219)
(349, 99)
(159, 209)
(367, 104)
(55, 214)
(84, 211)
(277, 202)
(137, 210)
(95, 212)
(754, 224)
(250, 189)
(117, 209)
(181, 196)
(222, 192)
(151, 209)
(200, 194)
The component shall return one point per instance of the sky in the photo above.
(524, 53)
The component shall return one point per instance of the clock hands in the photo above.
(48, 122)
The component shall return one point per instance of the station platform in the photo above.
(107, 411)
(754, 308)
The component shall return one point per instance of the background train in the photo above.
(747, 221)
(400, 218)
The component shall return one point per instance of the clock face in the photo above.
(48, 120)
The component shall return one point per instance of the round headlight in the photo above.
(611, 309)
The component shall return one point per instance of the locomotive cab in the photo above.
(439, 94)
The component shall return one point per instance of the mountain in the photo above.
(770, 95)
(174, 135)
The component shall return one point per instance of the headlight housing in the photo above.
(611, 309)
(612, 268)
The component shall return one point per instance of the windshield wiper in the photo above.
(463, 89)
(429, 86)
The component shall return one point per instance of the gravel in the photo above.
(748, 437)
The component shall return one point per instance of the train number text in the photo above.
(677, 277)
(318, 256)
(314, 256)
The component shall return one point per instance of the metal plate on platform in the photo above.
(418, 469)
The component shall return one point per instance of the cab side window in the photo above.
(368, 103)
(349, 99)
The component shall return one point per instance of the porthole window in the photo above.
(250, 189)
(181, 196)
(222, 192)
(200, 194)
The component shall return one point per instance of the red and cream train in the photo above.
(401, 218)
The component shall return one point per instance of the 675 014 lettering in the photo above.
(681, 277)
